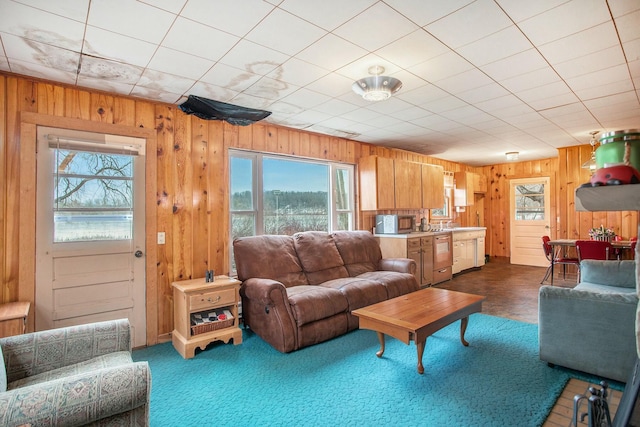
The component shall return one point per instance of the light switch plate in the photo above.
(161, 237)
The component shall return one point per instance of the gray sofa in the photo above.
(591, 327)
(80, 375)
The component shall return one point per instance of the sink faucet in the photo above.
(449, 224)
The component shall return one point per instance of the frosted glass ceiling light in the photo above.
(591, 163)
(512, 156)
(377, 87)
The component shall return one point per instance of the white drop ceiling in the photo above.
(480, 78)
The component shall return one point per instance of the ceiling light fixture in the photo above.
(591, 163)
(377, 87)
(512, 156)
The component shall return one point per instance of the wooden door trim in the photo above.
(29, 122)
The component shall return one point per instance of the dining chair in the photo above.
(592, 249)
(556, 259)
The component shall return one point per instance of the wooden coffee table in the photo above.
(417, 315)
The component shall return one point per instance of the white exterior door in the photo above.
(90, 230)
(530, 220)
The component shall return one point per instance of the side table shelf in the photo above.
(197, 297)
(13, 318)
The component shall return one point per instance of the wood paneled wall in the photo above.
(565, 175)
(191, 183)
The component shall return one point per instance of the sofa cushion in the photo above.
(359, 292)
(359, 251)
(269, 257)
(322, 330)
(395, 283)
(610, 273)
(105, 361)
(319, 256)
(312, 303)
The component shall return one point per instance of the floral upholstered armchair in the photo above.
(72, 376)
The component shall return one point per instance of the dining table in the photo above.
(563, 244)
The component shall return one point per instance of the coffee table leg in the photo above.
(420, 346)
(463, 329)
(381, 339)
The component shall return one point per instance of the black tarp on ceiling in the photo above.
(209, 109)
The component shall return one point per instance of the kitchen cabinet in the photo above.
(432, 186)
(389, 184)
(407, 180)
(464, 255)
(399, 184)
(420, 249)
(480, 184)
(480, 251)
(468, 249)
(468, 184)
(464, 189)
(377, 190)
(425, 270)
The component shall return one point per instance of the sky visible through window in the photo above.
(283, 175)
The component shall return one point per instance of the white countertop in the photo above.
(431, 233)
(468, 229)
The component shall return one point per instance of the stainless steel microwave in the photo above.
(395, 224)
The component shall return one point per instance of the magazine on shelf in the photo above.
(210, 316)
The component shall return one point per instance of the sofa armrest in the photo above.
(37, 352)
(401, 265)
(588, 331)
(264, 291)
(79, 399)
(267, 311)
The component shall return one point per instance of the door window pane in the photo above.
(529, 202)
(93, 196)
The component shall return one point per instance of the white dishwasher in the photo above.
(468, 249)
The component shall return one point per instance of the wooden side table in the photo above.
(13, 318)
(199, 298)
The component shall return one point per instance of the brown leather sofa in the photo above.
(300, 290)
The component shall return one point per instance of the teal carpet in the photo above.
(497, 381)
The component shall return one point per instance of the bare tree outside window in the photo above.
(529, 202)
(93, 196)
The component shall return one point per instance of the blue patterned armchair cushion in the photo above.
(118, 358)
(3, 374)
(74, 376)
(31, 354)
